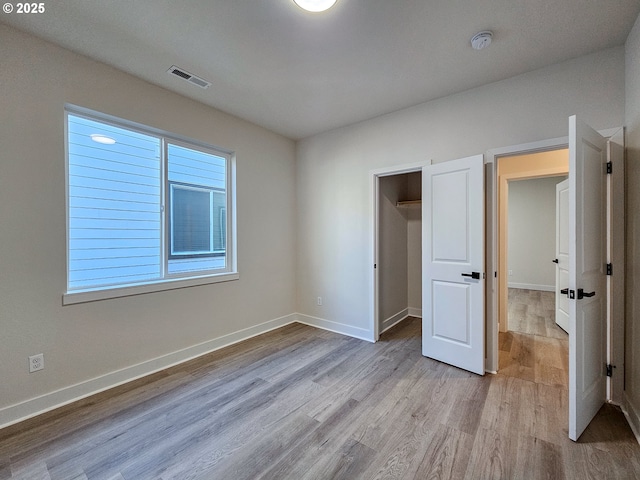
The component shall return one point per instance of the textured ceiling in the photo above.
(299, 73)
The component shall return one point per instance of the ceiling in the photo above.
(299, 73)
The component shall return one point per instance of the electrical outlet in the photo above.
(36, 362)
(319, 301)
(510, 272)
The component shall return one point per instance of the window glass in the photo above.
(114, 190)
(191, 221)
(120, 231)
(197, 175)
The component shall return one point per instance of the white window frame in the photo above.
(168, 281)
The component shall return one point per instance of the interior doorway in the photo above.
(512, 168)
(398, 247)
(532, 256)
(596, 159)
(531, 345)
(453, 305)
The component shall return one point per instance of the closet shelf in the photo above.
(409, 203)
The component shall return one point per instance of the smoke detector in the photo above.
(481, 40)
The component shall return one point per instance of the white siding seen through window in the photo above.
(143, 207)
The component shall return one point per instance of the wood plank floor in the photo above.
(302, 403)
(535, 348)
(533, 312)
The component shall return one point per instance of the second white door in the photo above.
(562, 254)
(453, 263)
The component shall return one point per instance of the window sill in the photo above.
(84, 296)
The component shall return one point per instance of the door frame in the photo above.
(374, 226)
(615, 320)
(492, 241)
(616, 256)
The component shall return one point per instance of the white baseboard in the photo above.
(361, 333)
(394, 320)
(533, 286)
(400, 316)
(632, 414)
(50, 401)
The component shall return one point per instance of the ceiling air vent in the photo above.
(189, 77)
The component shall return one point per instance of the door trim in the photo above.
(616, 256)
(493, 233)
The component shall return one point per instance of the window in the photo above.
(144, 207)
(198, 221)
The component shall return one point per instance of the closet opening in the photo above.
(398, 248)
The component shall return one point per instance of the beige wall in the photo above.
(632, 122)
(532, 233)
(94, 345)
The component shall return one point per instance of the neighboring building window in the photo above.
(143, 206)
(191, 221)
(198, 221)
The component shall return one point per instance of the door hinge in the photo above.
(610, 370)
(609, 268)
(609, 167)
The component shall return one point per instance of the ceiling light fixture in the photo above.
(315, 5)
(482, 40)
(98, 137)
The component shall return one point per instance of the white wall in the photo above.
(334, 169)
(632, 122)
(93, 345)
(532, 233)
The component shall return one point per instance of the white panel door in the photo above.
(587, 275)
(562, 254)
(453, 263)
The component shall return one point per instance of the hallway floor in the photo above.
(534, 348)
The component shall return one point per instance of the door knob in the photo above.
(555, 260)
(582, 294)
(475, 275)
